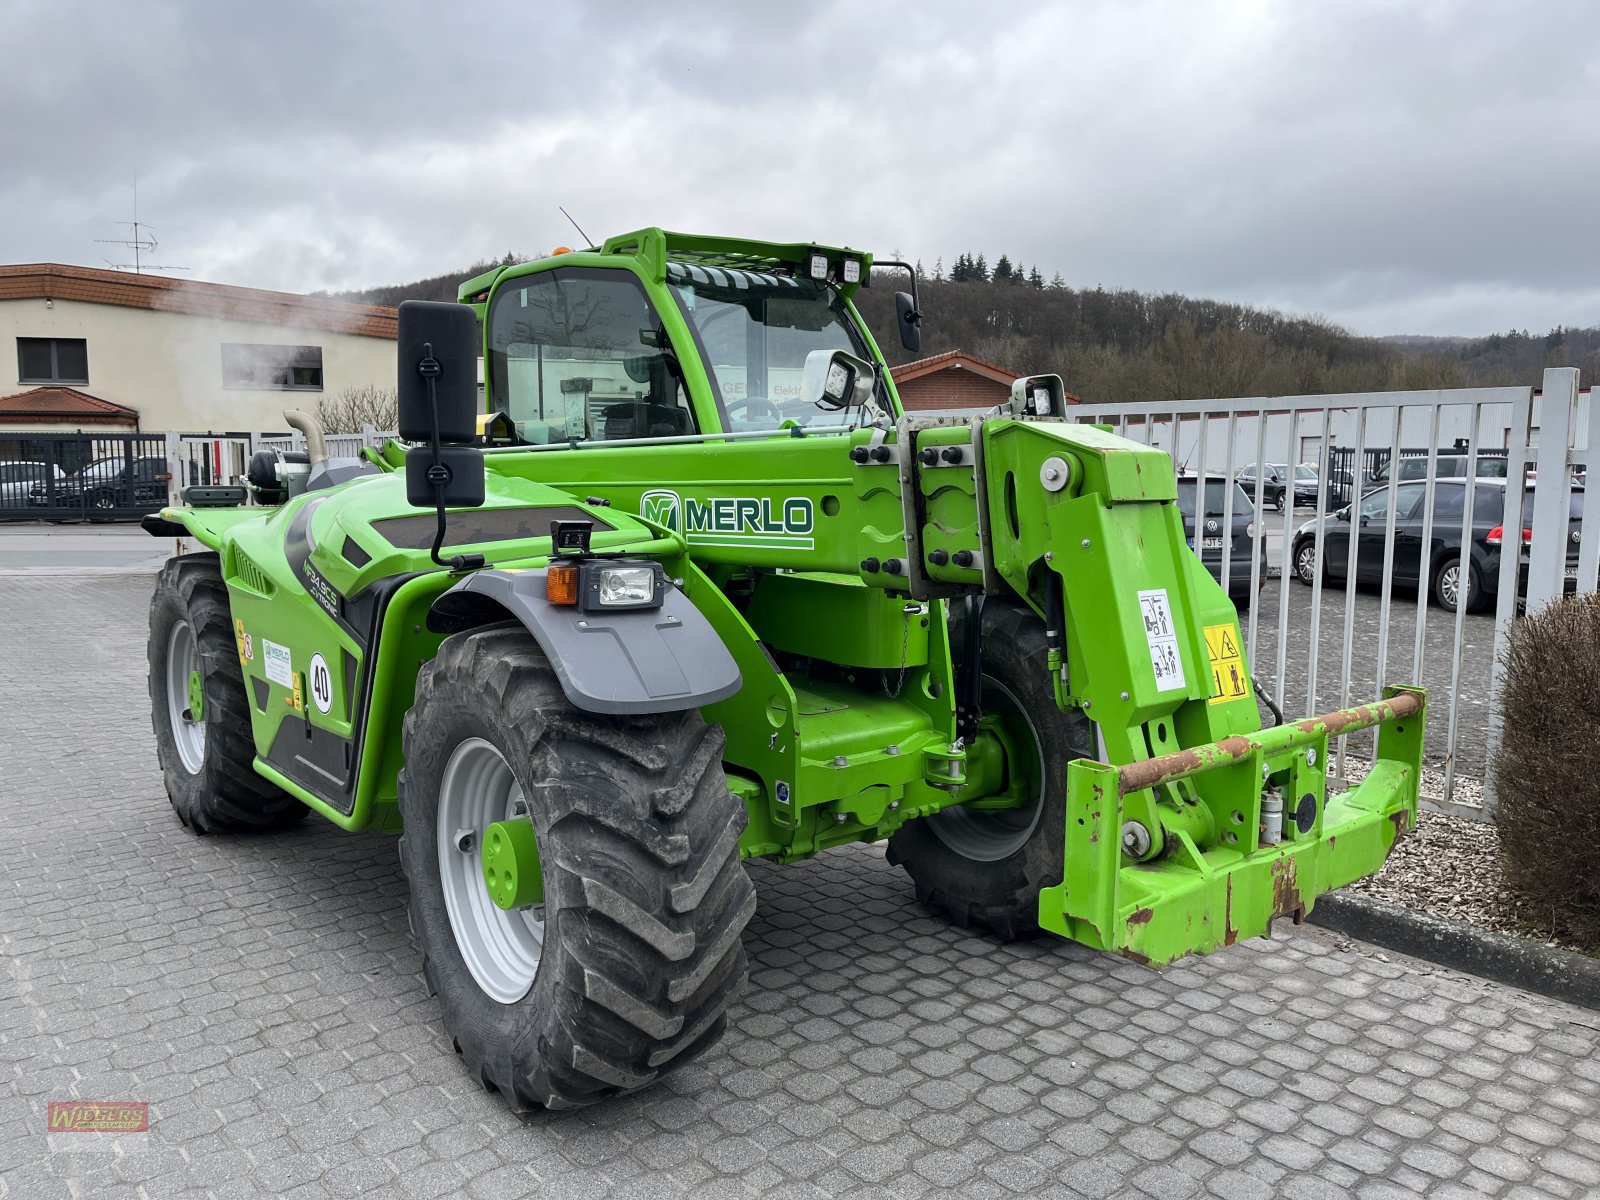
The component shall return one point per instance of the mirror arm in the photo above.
(916, 299)
(438, 473)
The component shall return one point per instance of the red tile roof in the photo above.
(64, 406)
(954, 360)
(53, 281)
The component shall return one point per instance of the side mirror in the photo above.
(837, 379)
(438, 394)
(1343, 514)
(905, 309)
(449, 334)
(1038, 396)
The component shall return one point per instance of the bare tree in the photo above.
(358, 406)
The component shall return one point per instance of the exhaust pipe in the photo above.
(311, 428)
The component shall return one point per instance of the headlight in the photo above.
(624, 587)
(615, 586)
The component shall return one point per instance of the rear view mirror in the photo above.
(450, 333)
(438, 386)
(905, 309)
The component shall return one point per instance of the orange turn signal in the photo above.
(561, 584)
(561, 250)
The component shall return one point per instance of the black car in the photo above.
(1307, 486)
(1274, 483)
(1211, 539)
(107, 484)
(1440, 568)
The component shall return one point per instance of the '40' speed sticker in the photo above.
(321, 684)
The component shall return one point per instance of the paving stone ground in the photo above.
(263, 995)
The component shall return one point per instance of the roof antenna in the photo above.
(139, 244)
(578, 227)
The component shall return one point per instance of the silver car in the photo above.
(17, 479)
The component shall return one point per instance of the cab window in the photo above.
(579, 354)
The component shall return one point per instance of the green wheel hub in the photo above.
(197, 697)
(511, 864)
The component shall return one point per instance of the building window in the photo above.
(52, 360)
(291, 368)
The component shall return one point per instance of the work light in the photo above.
(817, 265)
(850, 270)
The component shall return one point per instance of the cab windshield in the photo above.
(754, 331)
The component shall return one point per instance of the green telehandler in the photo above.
(687, 586)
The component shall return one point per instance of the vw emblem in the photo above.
(1211, 526)
(1575, 538)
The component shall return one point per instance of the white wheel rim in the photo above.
(993, 836)
(188, 735)
(501, 949)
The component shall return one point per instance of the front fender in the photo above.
(666, 659)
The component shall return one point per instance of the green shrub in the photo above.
(1547, 767)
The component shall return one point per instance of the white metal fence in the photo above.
(223, 458)
(1328, 645)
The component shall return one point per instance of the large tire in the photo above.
(208, 765)
(637, 950)
(987, 869)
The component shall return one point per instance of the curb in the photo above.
(1531, 966)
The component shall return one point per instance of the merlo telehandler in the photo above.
(685, 585)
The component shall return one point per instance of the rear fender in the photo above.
(666, 659)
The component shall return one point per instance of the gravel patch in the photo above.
(1449, 867)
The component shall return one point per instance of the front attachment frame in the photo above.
(1210, 872)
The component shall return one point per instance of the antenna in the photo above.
(142, 241)
(576, 226)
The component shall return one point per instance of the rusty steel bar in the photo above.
(1180, 764)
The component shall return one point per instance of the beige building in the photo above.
(113, 351)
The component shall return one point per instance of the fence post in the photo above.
(369, 434)
(176, 474)
(1547, 556)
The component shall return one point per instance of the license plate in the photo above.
(1572, 572)
(1211, 543)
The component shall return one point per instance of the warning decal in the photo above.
(1229, 679)
(1163, 639)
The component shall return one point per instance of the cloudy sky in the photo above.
(1399, 168)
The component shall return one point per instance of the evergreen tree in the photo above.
(1036, 279)
(980, 269)
(938, 269)
(1002, 270)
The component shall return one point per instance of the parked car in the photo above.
(17, 480)
(1211, 539)
(1446, 466)
(107, 484)
(1307, 485)
(1440, 569)
(1274, 483)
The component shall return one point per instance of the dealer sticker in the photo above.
(1162, 637)
(278, 668)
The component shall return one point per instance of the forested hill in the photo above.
(1120, 344)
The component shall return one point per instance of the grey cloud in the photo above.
(1429, 168)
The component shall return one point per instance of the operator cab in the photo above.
(580, 354)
